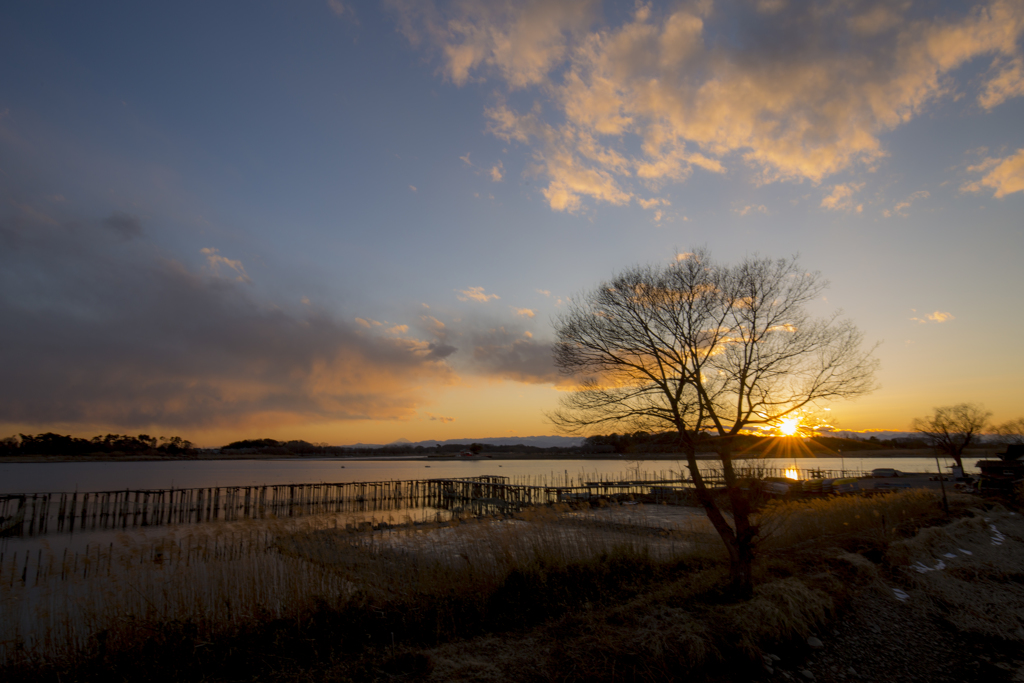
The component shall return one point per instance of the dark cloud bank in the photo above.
(102, 328)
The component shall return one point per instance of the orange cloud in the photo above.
(1005, 175)
(804, 110)
(841, 198)
(475, 294)
(936, 317)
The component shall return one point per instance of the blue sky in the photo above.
(356, 222)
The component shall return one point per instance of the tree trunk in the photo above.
(957, 454)
(741, 552)
(738, 543)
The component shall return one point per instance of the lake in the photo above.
(179, 474)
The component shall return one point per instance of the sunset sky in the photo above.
(356, 222)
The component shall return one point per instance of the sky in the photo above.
(358, 222)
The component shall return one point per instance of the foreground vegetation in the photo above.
(552, 594)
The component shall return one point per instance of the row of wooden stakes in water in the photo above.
(66, 512)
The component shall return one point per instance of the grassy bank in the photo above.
(548, 595)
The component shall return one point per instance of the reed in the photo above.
(239, 598)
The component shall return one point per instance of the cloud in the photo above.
(124, 225)
(802, 93)
(493, 348)
(522, 41)
(652, 203)
(1005, 175)
(524, 312)
(341, 9)
(497, 172)
(1007, 83)
(841, 198)
(544, 292)
(901, 207)
(936, 317)
(413, 188)
(440, 418)
(123, 336)
(759, 208)
(475, 294)
(877, 19)
(215, 261)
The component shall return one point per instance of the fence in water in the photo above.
(105, 510)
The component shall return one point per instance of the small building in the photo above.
(1003, 474)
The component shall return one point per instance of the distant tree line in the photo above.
(741, 445)
(50, 443)
(638, 442)
(275, 447)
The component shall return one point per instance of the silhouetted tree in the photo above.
(694, 346)
(1010, 432)
(951, 429)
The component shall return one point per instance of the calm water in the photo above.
(115, 476)
(111, 476)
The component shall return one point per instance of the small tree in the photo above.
(952, 429)
(1011, 432)
(694, 346)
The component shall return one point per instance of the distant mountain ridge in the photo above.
(538, 441)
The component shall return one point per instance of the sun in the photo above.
(789, 426)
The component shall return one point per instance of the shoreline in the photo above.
(972, 453)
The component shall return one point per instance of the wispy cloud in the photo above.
(475, 294)
(841, 198)
(935, 317)
(652, 203)
(216, 261)
(900, 208)
(752, 208)
(1007, 83)
(805, 92)
(341, 9)
(497, 172)
(440, 418)
(524, 312)
(1005, 176)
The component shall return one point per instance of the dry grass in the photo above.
(551, 594)
(785, 524)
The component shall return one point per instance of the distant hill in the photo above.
(538, 441)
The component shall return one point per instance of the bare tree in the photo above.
(1011, 432)
(694, 346)
(951, 429)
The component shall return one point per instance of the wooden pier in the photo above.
(67, 512)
